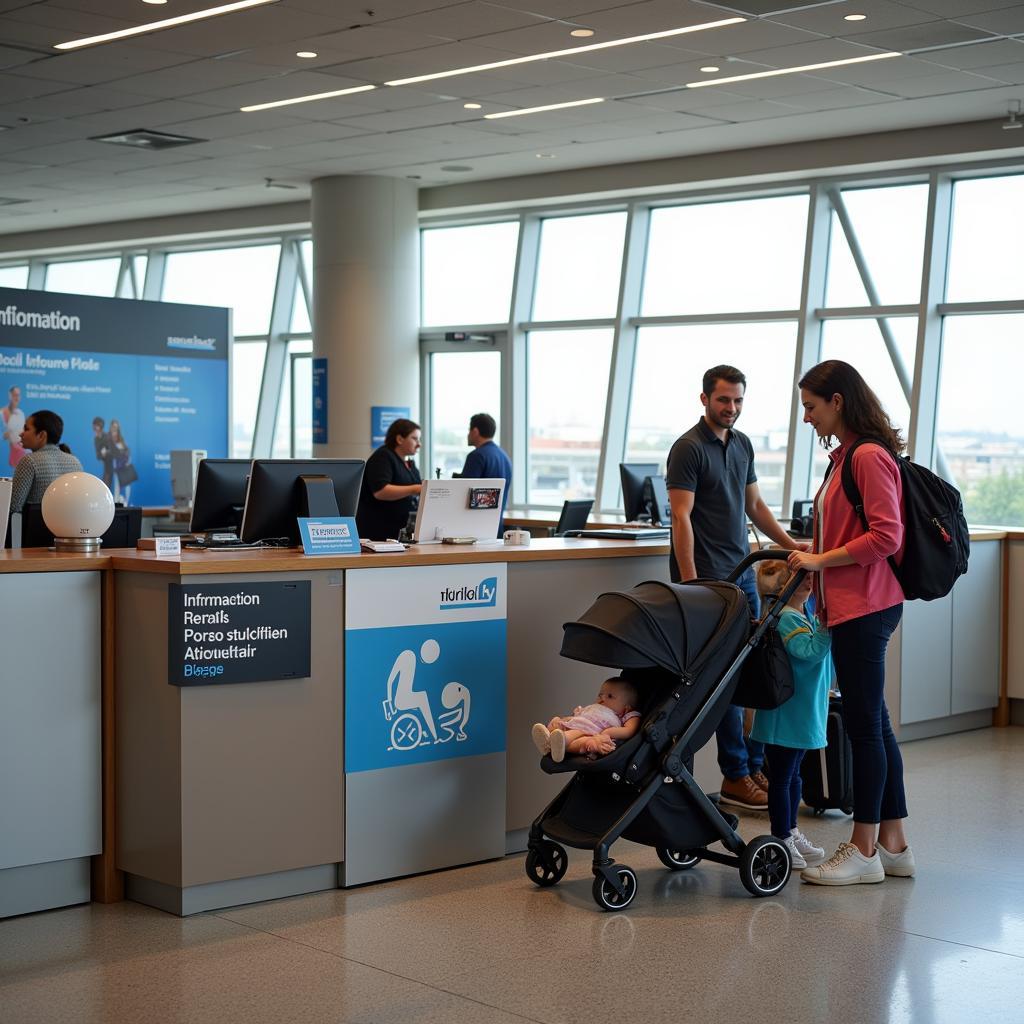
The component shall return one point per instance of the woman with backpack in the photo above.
(861, 601)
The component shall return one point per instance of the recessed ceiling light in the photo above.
(573, 50)
(791, 71)
(306, 54)
(456, 168)
(709, 69)
(582, 33)
(855, 17)
(156, 26)
(154, 2)
(545, 156)
(306, 99)
(472, 106)
(549, 106)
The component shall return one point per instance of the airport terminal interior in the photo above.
(244, 781)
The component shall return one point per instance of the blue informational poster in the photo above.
(130, 379)
(334, 535)
(381, 417)
(425, 665)
(320, 400)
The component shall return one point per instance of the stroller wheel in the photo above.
(765, 866)
(607, 898)
(678, 860)
(546, 866)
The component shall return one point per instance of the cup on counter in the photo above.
(517, 538)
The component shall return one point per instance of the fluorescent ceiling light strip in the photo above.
(156, 26)
(307, 99)
(790, 71)
(650, 36)
(550, 106)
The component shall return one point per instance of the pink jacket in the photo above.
(849, 591)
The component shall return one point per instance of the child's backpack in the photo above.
(936, 544)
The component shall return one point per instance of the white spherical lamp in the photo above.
(77, 509)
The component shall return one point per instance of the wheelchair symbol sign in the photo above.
(408, 710)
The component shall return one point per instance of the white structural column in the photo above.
(366, 303)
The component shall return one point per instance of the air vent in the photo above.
(6, 201)
(763, 8)
(143, 138)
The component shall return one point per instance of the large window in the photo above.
(461, 384)
(568, 382)
(725, 257)
(579, 267)
(14, 277)
(84, 277)
(665, 402)
(980, 424)
(247, 361)
(241, 279)
(467, 273)
(293, 431)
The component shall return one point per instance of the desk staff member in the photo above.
(47, 459)
(391, 483)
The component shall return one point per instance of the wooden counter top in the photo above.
(194, 563)
(48, 560)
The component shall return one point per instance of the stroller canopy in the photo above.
(654, 625)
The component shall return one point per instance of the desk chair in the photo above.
(574, 516)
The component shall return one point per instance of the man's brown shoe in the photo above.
(760, 780)
(743, 792)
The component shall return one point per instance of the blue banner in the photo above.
(334, 535)
(320, 400)
(130, 379)
(424, 693)
(381, 417)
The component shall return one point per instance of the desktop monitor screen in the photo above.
(634, 493)
(220, 495)
(277, 495)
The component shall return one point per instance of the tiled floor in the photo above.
(481, 944)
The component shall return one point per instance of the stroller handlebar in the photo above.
(781, 599)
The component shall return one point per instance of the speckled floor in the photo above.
(481, 944)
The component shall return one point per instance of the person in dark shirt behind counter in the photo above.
(391, 484)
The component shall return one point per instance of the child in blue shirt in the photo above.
(797, 726)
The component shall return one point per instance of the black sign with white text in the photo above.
(237, 632)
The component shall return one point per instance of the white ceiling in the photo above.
(963, 61)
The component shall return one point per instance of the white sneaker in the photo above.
(541, 738)
(795, 857)
(847, 866)
(810, 853)
(900, 865)
(558, 745)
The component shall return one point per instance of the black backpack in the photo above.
(936, 544)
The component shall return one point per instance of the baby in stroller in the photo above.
(595, 729)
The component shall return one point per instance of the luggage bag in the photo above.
(827, 774)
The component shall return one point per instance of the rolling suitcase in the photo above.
(827, 774)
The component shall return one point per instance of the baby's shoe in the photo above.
(558, 745)
(541, 738)
(810, 853)
(898, 865)
(795, 857)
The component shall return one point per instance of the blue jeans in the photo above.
(858, 652)
(738, 755)
(784, 792)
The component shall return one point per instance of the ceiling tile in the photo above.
(468, 20)
(16, 87)
(750, 110)
(102, 64)
(978, 55)
(1010, 73)
(1003, 22)
(920, 37)
(741, 39)
(828, 19)
(937, 85)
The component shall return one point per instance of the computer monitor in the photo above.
(658, 501)
(123, 532)
(574, 516)
(281, 490)
(219, 495)
(635, 494)
(459, 508)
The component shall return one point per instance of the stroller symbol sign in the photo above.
(409, 711)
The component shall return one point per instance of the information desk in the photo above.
(402, 742)
(50, 718)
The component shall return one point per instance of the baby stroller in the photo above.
(683, 645)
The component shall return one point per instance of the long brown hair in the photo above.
(862, 411)
(399, 428)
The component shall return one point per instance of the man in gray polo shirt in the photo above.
(713, 490)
